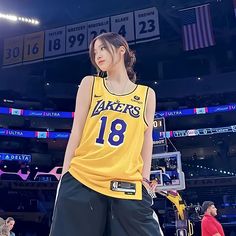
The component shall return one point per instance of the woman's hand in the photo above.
(150, 187)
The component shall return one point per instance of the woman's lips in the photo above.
(100, 62)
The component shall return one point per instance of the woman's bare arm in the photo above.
(148, 141)
(83, 100)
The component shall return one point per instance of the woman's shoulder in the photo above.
(87, 79)
(147, 88)
(91, 78)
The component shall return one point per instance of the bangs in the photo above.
(105, 42)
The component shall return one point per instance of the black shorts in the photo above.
(80, 211)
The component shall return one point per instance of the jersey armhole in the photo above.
(92, 91)
(145, 107)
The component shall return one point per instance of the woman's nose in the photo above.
(98, 56)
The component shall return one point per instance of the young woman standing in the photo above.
(105, 183)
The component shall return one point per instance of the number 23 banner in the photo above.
(137, 27)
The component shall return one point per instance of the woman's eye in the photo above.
(102, 48)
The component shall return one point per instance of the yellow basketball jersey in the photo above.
(108, 158)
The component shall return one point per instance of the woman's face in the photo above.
(103, 58)
(10, 224)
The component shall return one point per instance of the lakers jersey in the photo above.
(108, 158)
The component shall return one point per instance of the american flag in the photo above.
(197, 27)
(234, 2)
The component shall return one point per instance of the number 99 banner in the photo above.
(76, 38)
(138, 26)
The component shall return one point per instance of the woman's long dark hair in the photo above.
(117, 41)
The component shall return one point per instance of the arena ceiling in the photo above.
(55, 13)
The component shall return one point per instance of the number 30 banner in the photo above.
(13, 48)
(138, 26)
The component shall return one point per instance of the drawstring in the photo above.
(112, 215)
(90, 204)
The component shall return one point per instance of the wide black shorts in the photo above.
(80, 211)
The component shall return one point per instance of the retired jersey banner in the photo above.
(147, 24)
(33, 46)
(13, 50)
(124, 25)
(97, 27)
(135, 26)
(55, 42)
(76, 38)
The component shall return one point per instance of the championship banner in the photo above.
(13, 50)
(33, 46)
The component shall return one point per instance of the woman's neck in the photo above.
(118, 75)
(117, 79)
(119, 83)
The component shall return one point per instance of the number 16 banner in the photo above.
(34, 46)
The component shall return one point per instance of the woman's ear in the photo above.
(122, 50)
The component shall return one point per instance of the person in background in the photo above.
(10, 222)
(7, 226)
(210, 225)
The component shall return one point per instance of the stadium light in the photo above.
(8, 17)
(18, 18)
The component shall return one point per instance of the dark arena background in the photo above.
(186, 52)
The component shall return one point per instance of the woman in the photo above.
(105, 183)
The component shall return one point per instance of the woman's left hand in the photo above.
(150, 187)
